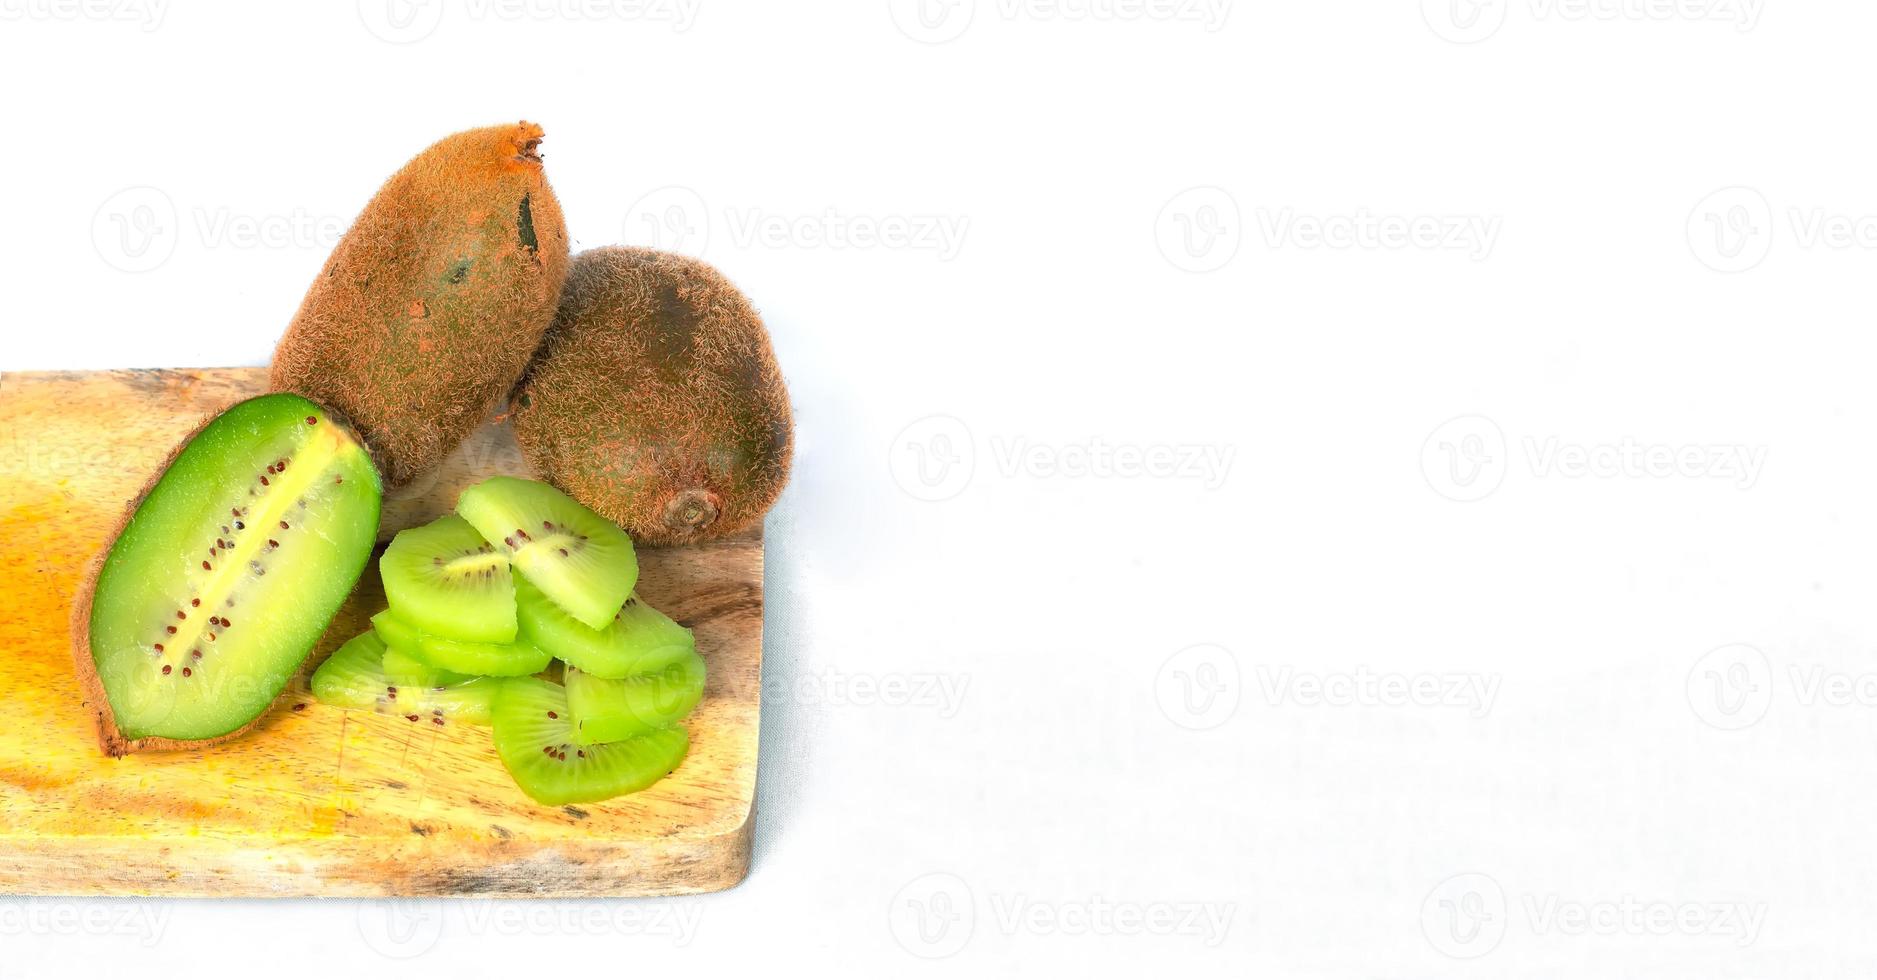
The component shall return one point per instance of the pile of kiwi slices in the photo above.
(487, 606)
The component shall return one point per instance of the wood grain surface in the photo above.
(318, 800)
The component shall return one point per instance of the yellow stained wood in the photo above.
(317, 800)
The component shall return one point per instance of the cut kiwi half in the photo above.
(407, 669)
(637, 640)
(224, 575)
(534, 737)
(610, 710)
(460, 656)
(582, 561)
(446, 580)
(354, 677)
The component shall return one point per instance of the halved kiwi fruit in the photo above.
(534, 737)
(610, 710)
(460, 656)
(224, 575)
(446, 580)
(353, 677)
(639, 638)
(582, 561)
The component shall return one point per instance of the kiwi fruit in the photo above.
(639, 638)
(612, 710)
(656, 399)
(445, 580)
(460, 656)
(397, 633)
(224, 574)
(407, 669)
(431, 305)
(535, 738)
(353, 677)
(488, 659)
(581, 561)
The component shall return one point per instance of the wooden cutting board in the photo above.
(318, 800)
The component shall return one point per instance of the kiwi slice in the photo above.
(534, 737)
(353, 677)
(610, 710)
(460, 656)
(579, 559)
(407, 669)
(224, 576)
(396, 631)
(444, 579)
(639, 638)
(483, 659)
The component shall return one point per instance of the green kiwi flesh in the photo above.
(637, 640)
(354, 677)
(444, 579)
(460, 656)
(226, 574)
(579, 559)
(534, 737)
(406, 669)
(612, 710)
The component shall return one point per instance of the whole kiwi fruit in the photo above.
(427, 312)
(656, 399)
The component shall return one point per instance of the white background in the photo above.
(1221, 649)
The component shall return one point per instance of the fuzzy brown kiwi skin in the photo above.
(111, 740)
(428, 310)
(656, 399)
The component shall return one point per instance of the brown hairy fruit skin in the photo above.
(429, 309)
(656, 399)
